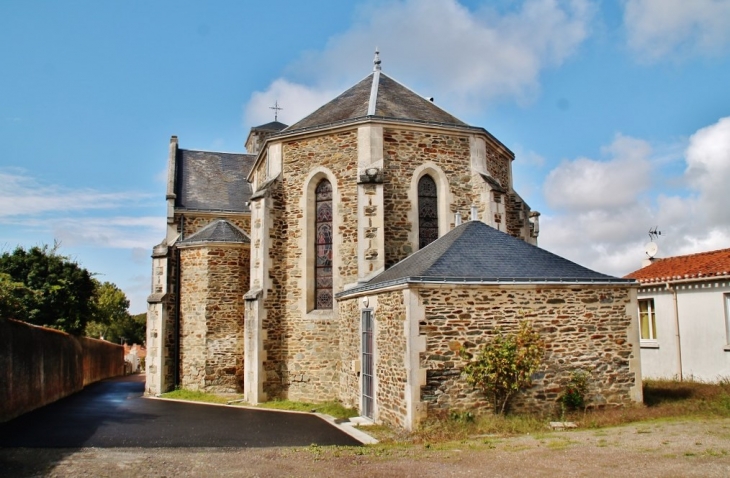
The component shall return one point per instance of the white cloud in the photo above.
(708, 169)
(463, 58)
(586, 184)
(660, 28)
(22, 195)
(603, 210)
(299, 101)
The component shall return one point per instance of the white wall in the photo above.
(702, 327)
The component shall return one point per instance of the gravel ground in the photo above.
(666, 449)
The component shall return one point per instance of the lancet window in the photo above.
(323, 289)
(428, 220)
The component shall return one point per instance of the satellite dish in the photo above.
(651, 249)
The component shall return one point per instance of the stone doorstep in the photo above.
(361, 421)
(562, 425)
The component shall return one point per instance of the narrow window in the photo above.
(323, 245)
(647, 319)
(428, 219)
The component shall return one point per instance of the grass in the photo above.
(334, 409)
(195, 396)
(663, 400)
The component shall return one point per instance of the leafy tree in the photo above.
(505, 364)
(112, 319)
(42, 287)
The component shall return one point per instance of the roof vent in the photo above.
(457, 219)
(474, 215)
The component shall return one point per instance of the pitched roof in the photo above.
(476, 252)
(219, 230)
(208, 181)
(699, 266)
(377, 95)
(273, 126)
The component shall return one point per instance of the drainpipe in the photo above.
(676, 322)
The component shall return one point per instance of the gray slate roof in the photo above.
(393, 101)
(208, 181)
(219, 230)
(273, 126)
(476, 252)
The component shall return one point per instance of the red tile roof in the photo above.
(701, 266)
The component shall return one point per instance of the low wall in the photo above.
(40, 365)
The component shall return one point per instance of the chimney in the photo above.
(457, 219)
(474, 216)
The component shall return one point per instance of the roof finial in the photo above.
(376, 61)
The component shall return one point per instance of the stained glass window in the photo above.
(428, 219)
(323, 245)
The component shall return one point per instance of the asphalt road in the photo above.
(113, 413)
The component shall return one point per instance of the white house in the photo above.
(684, 315)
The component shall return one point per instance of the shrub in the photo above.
(574, 396)
(505, 364)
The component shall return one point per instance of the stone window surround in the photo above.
(307, 225)
(444, 196)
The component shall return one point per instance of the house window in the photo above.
(428, 219)
(323, 246)
(647, 319)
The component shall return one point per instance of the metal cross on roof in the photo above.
(276, 109)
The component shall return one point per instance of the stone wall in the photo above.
(390, 353)
(405, 151)
(193, 299)
(301, 344)
(349, 348)
(213, 281)
(588, 328)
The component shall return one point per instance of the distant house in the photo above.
(684, 315)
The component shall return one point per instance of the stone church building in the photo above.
(350, 256)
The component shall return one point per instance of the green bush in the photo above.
(505, 364)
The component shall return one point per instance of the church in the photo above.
(351, 255)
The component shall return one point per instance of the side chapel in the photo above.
(351, 255)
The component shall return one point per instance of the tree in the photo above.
(112, 319)
(505, 364)
(42, 287)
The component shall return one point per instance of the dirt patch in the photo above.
(676, 448)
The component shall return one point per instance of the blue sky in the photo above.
(618, 112)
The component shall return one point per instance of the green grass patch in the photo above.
(196, 396)
(334, 409)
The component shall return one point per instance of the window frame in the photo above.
(650, 314)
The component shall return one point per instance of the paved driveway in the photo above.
(113, 413)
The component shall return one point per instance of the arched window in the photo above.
(428, 216)
(323, 244)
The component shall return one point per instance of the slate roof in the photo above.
(476, 252)
(699, 266)
(392, 100)
(275, 126)
(208, 181)
(219, 230)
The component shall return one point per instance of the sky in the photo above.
(618, 112)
